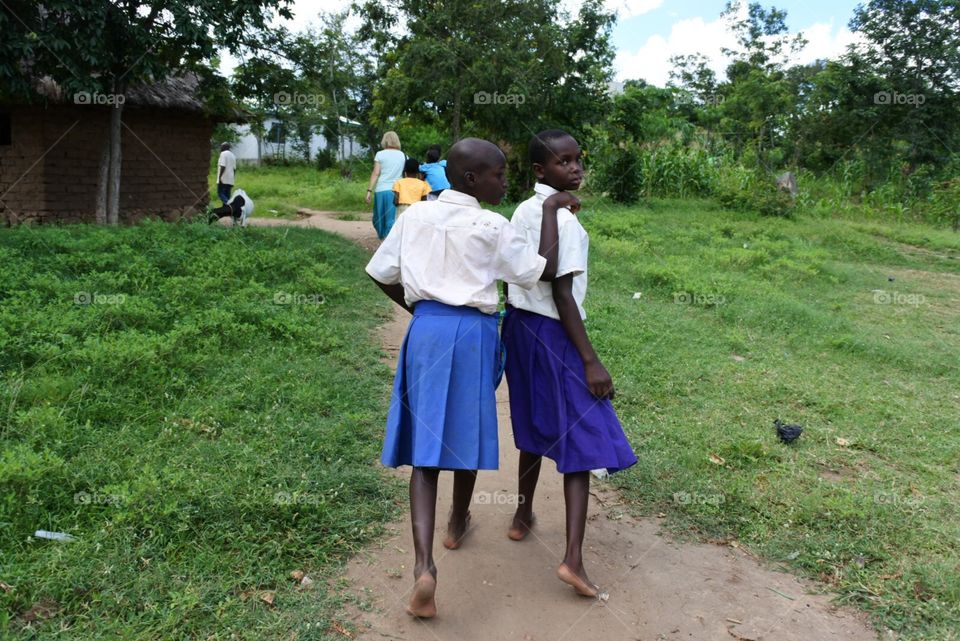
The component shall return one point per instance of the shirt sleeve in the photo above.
(515, 260)
(384, 267)
(573, 247)
(223, 161)
(425, 189)
(396, 186)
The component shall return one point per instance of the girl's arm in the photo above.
(394, 292)
(598, 379)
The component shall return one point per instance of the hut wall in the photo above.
(49, 171)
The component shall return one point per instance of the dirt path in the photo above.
(494, 589)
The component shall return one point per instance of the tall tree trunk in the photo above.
(102, 185)
(456, 115)
(116, 160)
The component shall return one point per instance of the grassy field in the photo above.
(200, 407)
(161, 428)
(848, 329)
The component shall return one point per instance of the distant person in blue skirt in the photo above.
(435, 172)
(559, 390)
(387, 169)
(441, 261)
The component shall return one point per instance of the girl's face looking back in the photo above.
(563, 168)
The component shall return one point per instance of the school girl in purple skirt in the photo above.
(559, 390)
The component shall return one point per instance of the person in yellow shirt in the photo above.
(410, 188)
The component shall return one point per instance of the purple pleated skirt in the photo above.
(552, 410)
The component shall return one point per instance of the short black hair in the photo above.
(433, 153)
(411, 166)
(539, 148)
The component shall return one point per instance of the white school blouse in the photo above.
(453, 251)
(574, 246)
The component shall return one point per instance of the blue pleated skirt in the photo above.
(553, 412)
(384, 213)
(443, 412)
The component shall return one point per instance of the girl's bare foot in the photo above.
(422, 603)
(521, 527)
(456, 532)
(578, 581)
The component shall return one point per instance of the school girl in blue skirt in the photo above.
(441, 261)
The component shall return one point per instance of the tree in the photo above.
(914, 45)
(108, 46)
(502, 69)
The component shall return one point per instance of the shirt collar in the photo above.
(545, 190)
(458, 198)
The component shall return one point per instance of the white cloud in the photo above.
(651, 61)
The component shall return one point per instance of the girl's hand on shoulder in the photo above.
(598, 380)
(563, 200)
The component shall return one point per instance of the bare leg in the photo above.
(459, 524)
(576, 494)
(423, 511)
(528, 475)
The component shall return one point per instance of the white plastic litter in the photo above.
(54, 536)
(600, 473)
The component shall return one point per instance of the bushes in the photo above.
(745, 189)
(627, 170)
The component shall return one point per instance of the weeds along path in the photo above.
(494, 589)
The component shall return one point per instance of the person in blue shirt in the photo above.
(435, 172)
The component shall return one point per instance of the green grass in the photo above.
(278, 192)
(180, 412)
(743, 320)
(200, 408)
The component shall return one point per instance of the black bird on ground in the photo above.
(787, 433)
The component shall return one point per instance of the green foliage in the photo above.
(200, 407)
(121, 45)
(752, 190)
(501, 70)
(612, 169)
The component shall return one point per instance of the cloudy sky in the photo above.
(649, 32)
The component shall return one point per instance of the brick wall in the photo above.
(49, 172)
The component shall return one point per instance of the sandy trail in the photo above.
(496, 589)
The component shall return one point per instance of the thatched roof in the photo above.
(172, 93)
(178, 93)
